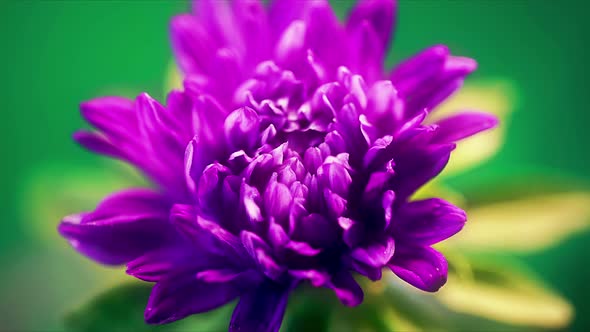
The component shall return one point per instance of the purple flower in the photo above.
(290, 157)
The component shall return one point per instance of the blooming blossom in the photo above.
(290, 157)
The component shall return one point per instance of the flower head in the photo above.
(290, 157)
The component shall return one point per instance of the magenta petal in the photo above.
(283, 12)
(334, 176)
(317, 278)
(261, 309)
(368, 52)
(192, 46)
(277, 199)
(98, 143)
(463, 125)
(380, 14)
(422, 267)
(242, 128)
(115, 116)
(123, 226)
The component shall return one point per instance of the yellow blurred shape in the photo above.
(173, 80)
(496, 97)
(436, 188)
(525, 224)
(396, 321)
(512, 299)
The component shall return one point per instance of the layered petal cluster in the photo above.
(290, 157)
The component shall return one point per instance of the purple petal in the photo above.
(376, 254)
(325, 36)
(422, 267)
(463, 125)
(417, 167)
(182, 295)
(123, 227)
(367, 52)
(317, 278)
(242, 128)
(334, 176)
(353, 231)
(277, 199)
(316, 230)
(254, 26)
(219, 21)
(409, 75)
(429, 221)
(380, 14)
(192, 46)
(385, 108)
(251, 200)
(430, 77)
(114, 116)
(98, 143)
(207, 235)
(283, 12)
(262, 254)
(280, 240)
(156, 265)
(335, 205)
(346, 288)
(261, 309)
(291, 49)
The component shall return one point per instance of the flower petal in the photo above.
(346, 288)
(376, 254)
(463, 125)
(262, 255)
(123, 226)
(415, 168)
(156, 264)
(192, 46)
(182, 295)
(114, 116)
(242, 128)
(261, 309)
(380, 14)
(429, 221)
(422, 267)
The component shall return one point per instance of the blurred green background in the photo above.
(58, 53)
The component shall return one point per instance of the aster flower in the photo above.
(290, 157)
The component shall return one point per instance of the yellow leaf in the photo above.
(525, 224)
(173, 79)
(436, 188)
(503, 294)
(496, 97)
